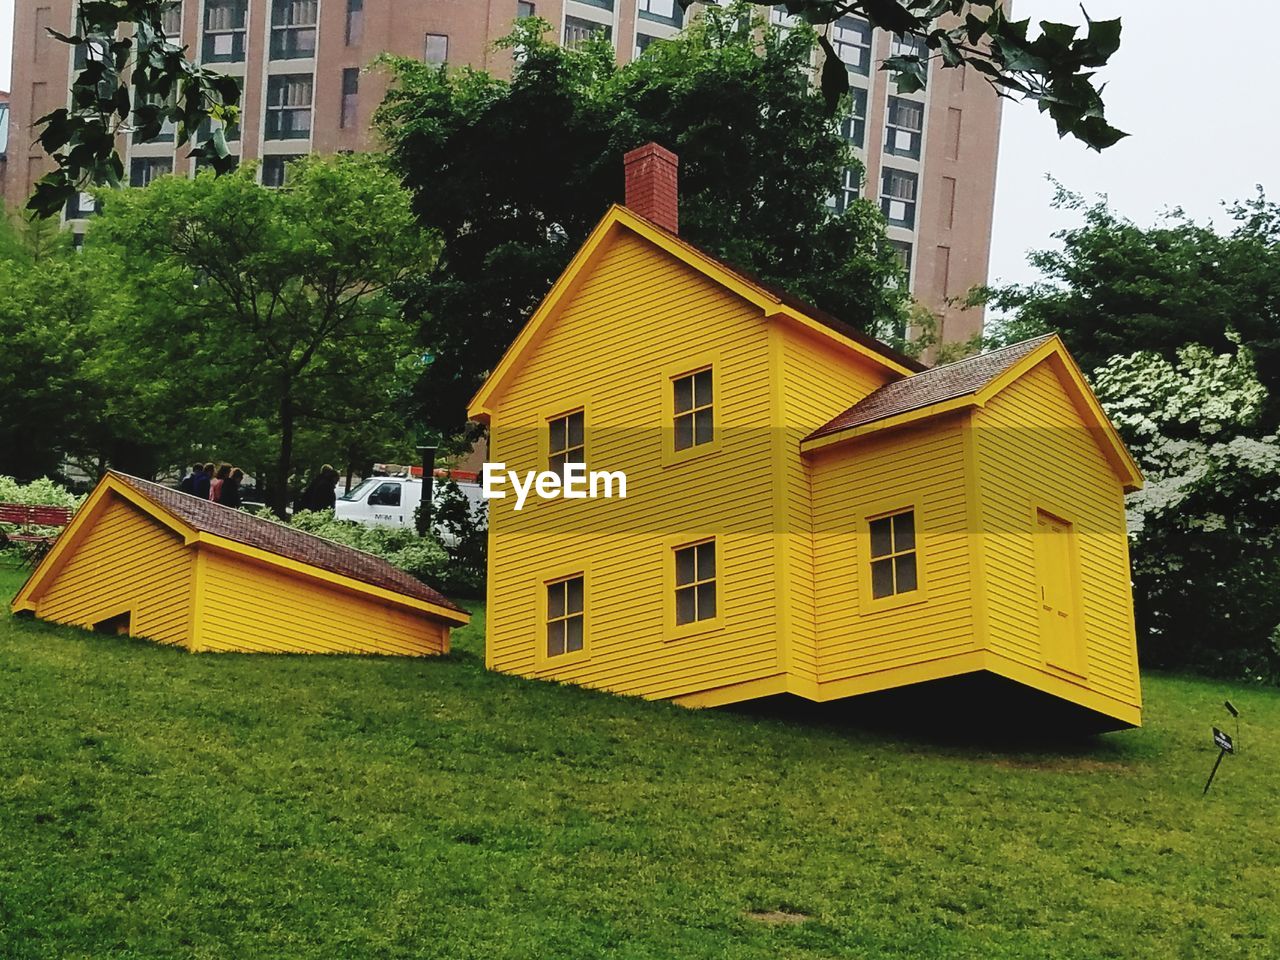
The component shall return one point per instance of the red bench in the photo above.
(26, 518)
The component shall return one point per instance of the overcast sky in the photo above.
(1200, 110)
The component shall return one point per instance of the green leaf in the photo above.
(890, 15)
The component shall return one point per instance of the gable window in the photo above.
(566, 616)
(567, 441)
(694, 410)
(695, 582)
(893, 554)
(224, 30)
(903, 127)
(293, 29)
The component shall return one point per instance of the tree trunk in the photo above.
(280, 495)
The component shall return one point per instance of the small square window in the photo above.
(694, 409)
(526, 9)
(893, 554)
(695, 582)
(567, 441)
(436, 49)
(566, 616)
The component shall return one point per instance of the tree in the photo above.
(131, 69)
(1205, 530)
(1118, 288)
(267, 313)
(513, 176)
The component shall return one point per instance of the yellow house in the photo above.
(806, 511)
(147, 561)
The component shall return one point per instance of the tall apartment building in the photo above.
(930, 158)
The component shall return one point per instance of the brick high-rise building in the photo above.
(930, 158)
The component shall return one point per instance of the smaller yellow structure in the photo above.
(147, 561)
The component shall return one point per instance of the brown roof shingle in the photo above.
(945, 382)
(208, 517)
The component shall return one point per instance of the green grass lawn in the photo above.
(158, 804)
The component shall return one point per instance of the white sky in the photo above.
(1200, 110)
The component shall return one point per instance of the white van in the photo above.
(392, 501)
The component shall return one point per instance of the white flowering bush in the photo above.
(42, 492)
(1204, 531)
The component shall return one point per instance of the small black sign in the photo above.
(1223, 741)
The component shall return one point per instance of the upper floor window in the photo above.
(851, 38)
(893, 554)
(694, 409)
(695, 582)
(909, 45)
(293, 29)
(526, 9)
(578, 31)
(602, 4)
(854, 124)
(664, 11)
(436, 48)
(350, 97)
(167, 127)
(171, 20)
(850, 188)
(642, 44)
(288, 115)
(275, 169)
(566, 616)
(142, 170)
(566, 441)
(81, 205)
(904, 127)
(355, 22)
(224, 30)
(898, 197)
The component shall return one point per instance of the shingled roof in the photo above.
(935, 385)
(245, 528)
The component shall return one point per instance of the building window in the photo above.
(779, 17)
(850, 188)
(293, 29)
(526, 9)
(854, 126)
(436, 49)
(909, 45)
(578, 31)
(694, 410)
(642, 44)
(898, 197)
(275, 169)
(904, 128)
(224, 31)
(851, 38)
(350, 97)
(93, 50)
(355, 22)
(230, 131)
(602, 4)
(142, 170)
(81, 205)
(664, 11)
(893, 554)
(903, 249)
(288, 107)
(695, 582)
(167, 127)
(566, 616)
(567, 441)
(171, 20)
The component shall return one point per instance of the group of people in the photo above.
(217, 482)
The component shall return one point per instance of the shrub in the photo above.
(42, 492)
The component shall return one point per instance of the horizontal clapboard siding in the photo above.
(1035, 451)
(854, 481)
(126, 561)
(819, 382)
(249, 607)
(638, 316)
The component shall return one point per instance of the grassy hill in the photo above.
(158, 804)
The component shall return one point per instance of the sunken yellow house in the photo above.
(147, 561)
(806, 511)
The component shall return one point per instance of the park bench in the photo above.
(29, 519)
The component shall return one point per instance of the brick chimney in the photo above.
(653, 185)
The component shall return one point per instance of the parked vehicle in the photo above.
(393, 501)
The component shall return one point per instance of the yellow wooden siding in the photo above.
(248, 607)
(1035, 451)
(125, 561)
(637, 317)
(818, 382)
(921, 467)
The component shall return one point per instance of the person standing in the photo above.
(219, 478)
(229, 496)
(188, 484)
(322, 493)
(204, 477)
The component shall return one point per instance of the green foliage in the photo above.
(158, 804)
(1205, 530)
(264, 328)
(1054, 68)
(513, 175)
(134, 79)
